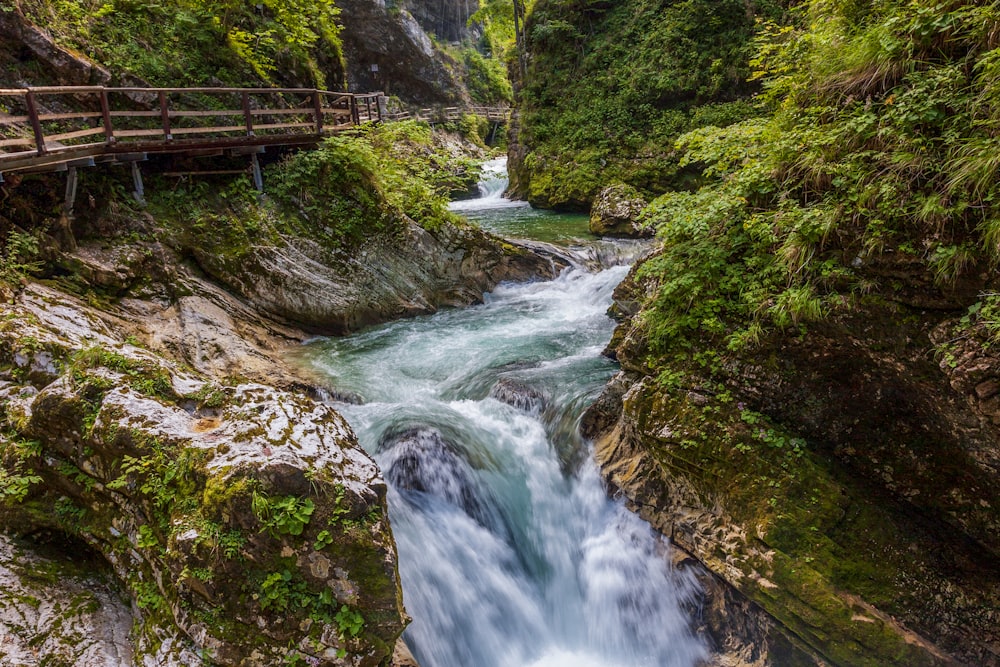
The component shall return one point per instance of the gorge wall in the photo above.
(808, 359)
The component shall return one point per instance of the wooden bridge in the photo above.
(68, 127)
(496, 114)
(44, 129)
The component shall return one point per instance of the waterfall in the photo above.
(492, 185)
(510, 552)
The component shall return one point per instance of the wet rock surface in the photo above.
(520, 395)
(243, 521)
(615, 212)
(844, 483)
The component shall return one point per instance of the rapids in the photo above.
(510, 552)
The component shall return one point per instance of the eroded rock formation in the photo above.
(845, 482)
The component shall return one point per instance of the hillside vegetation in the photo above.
(883, 143)
(198, 42)
(611, 85)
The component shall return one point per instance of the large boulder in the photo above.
(242, 519)
(410, 273)
(615, 212)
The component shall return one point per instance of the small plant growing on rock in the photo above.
(284, 516)
(323, 540)
(349, 622)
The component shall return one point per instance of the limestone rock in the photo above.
(410, 66)
(711, 497)
(53, 609)
(415, 273)
(402, 657)
(243, 520)
(615, 212)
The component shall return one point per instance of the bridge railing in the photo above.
(447, 114)
(38, 125)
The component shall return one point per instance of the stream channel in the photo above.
(510, 552)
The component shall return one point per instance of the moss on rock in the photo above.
(244, 517)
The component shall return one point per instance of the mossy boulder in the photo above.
(616, 212)
(243, 519)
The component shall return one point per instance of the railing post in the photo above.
(36, 126)
(318, 110)
(368, 106)
(109, 131)
(165, 116)
(355, 117)
(247, 114)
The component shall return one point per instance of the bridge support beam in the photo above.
(138, 191)
(70, 199)
(258, 177)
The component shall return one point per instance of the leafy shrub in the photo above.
(336, 188)
(880, 142)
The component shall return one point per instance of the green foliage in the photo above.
(339, 510)
(283, 516)
(167, 478)
(149, 598)
(349, 621)
(17, 475)
(496, 17)
(146, 538)
(145, 377)
(881, 145)
(486, 78)
(336, 188)
(189, 42)
(611, 85)
(323, 540)
(355, 187)
(286, 592)
(19, 258)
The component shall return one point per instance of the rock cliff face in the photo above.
(845, 481)
(447, 20)
(409, 65)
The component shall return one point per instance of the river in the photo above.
(510, 552)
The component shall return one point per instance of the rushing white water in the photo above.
(510, 552)
(492, 185)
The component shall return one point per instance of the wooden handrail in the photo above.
(165, 120)
(166, 114)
